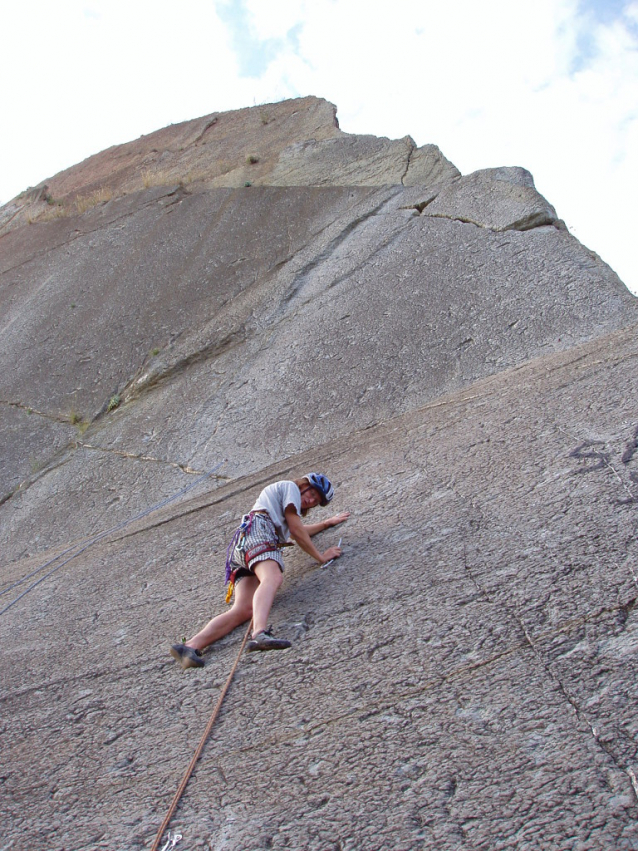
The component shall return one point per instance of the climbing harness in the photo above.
(237, 543)
(260, 549)
(200, 747)
(240, 534)
(82, 546)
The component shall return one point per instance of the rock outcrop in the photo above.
(261, 288)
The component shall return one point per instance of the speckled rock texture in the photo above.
(462, 368)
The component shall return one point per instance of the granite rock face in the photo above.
(462, 368)
(496, 198)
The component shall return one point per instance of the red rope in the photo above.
(200, 747)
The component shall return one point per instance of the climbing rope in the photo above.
(82, 546)
(200, 746)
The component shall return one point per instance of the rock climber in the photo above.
(255, 564)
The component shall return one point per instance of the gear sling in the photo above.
(239, 538)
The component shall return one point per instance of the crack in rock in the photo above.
(534, 220)
(65, 420)
(580, 715)
(122, 454)
(409, 159)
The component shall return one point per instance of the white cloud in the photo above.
(90, 75)
(276, 18)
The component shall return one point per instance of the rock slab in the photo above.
(461, 367)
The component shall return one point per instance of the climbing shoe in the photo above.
(188, 656)
(265, 640)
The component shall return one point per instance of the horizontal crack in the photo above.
(51, 465)
(536, 220)
(70, 420)
(420, 205)
(185, 468)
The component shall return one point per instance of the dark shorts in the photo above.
(262, 531)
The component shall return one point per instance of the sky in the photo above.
(550, 85)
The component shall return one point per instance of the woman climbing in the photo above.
(254, 563)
